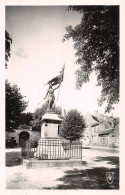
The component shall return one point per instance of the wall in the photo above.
(34, 135)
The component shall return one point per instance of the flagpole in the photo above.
(58, 91)
(40, 102)
(60, 83)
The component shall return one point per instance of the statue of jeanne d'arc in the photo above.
(50, 95)
(50, 92)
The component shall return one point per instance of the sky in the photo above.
(38, 54)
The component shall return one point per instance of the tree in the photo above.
(96, 40)
(26, 118)
(72, 126)
(8, 42)
(15, 105)
(37, 115)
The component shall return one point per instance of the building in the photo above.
(101, 130)
(88, 133)
(106, 132)
(110, 137)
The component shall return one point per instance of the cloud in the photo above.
(21, 53)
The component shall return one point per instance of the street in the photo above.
(92, 175)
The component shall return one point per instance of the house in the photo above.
(98, 127)
(106, 132)
(101, 130)
(87, 135)
(110, 137)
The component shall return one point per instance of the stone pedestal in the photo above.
(50, 144)
(50, 126)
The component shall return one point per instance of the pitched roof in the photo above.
(95, 118)
(95, 124)
(107, 122)
(99, 116)
(90, 119)
(106, 132)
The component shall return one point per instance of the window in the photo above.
(103, 141)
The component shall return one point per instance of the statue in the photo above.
(51, 96)
(50, 92)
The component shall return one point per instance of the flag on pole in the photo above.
(58, 79)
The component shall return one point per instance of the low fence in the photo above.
(52, 149)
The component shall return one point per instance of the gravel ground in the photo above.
(90, 176)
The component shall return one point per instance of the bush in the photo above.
(72, 126)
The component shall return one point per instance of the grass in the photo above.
(12, 159)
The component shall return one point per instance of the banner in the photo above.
(58, 79)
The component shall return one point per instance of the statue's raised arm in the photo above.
(50, 92)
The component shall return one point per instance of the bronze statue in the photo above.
(50, 92)
(51, 96)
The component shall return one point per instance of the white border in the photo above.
(3, 3)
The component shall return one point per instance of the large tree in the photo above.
(15, 105)
(26, 118)
(8, 42)
(96, 40)
(72, 126)
(37, 115)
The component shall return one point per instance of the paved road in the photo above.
(89, 176)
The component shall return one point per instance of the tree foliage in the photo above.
(72, 126)
(8, 42)
(96, 40)
(15, 105)
(37, 115)
(26, 118)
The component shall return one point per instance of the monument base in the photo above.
(50, 145)
(51, 163)
(50, 125)
(51, 151)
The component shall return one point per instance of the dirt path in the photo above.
(91, 176)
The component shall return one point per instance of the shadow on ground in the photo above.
(12, 159)
(84, 178)
(94, 178)
(113, 160)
